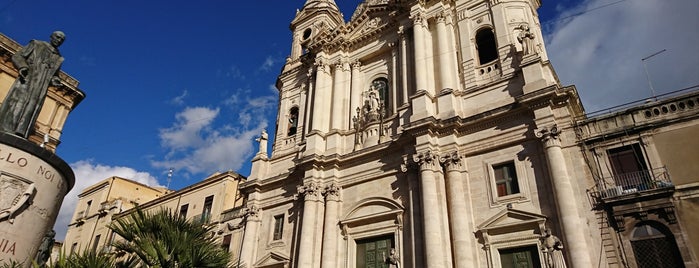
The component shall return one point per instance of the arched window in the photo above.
(293, 121)
(486, 46)
(654, 246)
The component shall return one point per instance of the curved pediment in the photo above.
(373, 207)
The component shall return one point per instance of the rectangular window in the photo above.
(629, 168)
(226, 242)
(96, 243)
(372, 252)
(183, 211)
(278, 227)
(73, 248)
(87, 209)
(523, 257)
(206, 211)
(506, 179)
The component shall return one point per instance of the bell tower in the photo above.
(314, 17)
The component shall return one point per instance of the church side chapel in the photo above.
(421, 134)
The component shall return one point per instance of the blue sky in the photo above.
(189, 85)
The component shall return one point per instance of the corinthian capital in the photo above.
(452, 161)
(332, 192)
(425, 159)
(549, 135)
(310, 191)
(251, 213)
(418, 19)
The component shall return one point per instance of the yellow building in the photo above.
(97, 205)
(214, 201)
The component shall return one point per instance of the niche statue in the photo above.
(38, 64)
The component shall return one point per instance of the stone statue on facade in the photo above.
(263, 142)
(553, 250)
(42, 256)
(393, 259)
(38, 64)
(526, 39)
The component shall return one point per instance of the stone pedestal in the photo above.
(33, 183)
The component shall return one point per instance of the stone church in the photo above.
(425, 133)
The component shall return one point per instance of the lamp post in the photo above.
(643, 60)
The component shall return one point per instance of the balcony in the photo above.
(232, 214)
(202, 219)
(632, 184)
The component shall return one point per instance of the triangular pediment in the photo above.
(509, 218)
(273, 259)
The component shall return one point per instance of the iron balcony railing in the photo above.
(633, 182)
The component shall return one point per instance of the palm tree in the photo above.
(163, 239)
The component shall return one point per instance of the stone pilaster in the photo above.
(330, 227)
(446, 63)
(311, 193)
(252, 224)
(322, 100)
(419, 25)
(563, 188)
(429, 165)
(459, 211)
(403, 63)
(356, 73)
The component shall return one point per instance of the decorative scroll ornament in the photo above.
(548, 134)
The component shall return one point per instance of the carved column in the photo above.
(429, 165)
(567, 208)
(321, 100)
(339, 111)
(403, 63)
(446, 69)
(356, 89)
(419, 25)
(252, 223)
(330, 227)
(394, 73)
(308, 104)
(311, 198)
(459, 211)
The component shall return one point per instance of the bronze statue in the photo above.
(38, 63)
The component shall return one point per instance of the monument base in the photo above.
(33, 183)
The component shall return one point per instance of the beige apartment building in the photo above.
(96, 207)
(214, 201)
(643, 158)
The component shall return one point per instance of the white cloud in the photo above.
(88, 173)
(179, 100)
(600, 51)
(197, 145)
(267, 64)
(187, 130)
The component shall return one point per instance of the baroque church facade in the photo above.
(421, 134)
